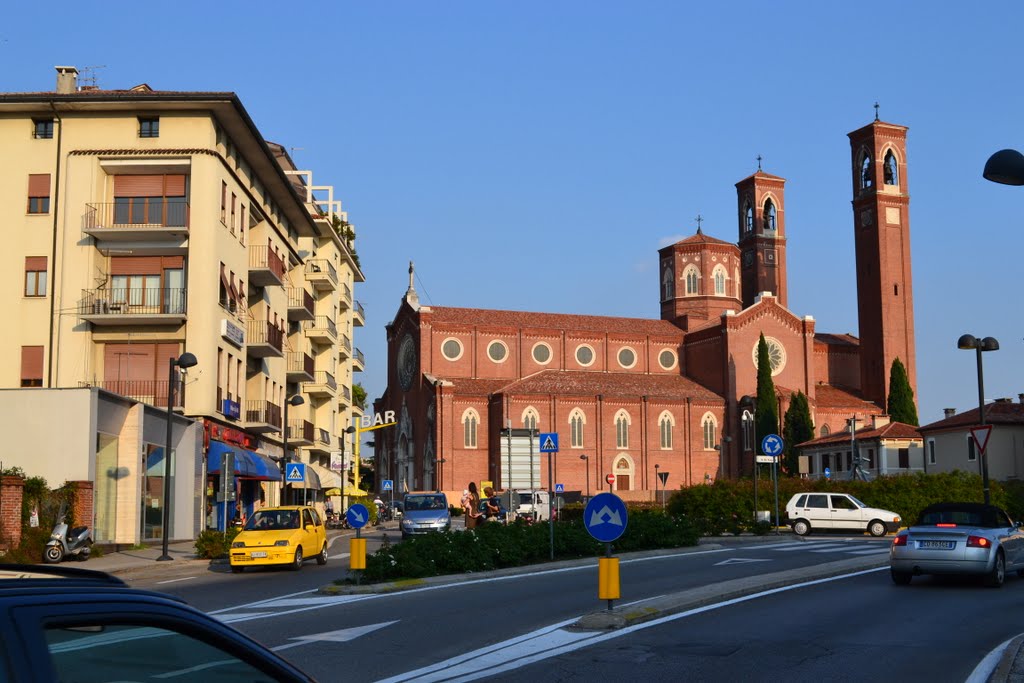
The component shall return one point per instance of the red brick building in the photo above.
(633, 397)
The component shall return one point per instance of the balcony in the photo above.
(133, 306)
(358, 315)
(300, 367)
(344, 348)
(322, 274)
(345, 297)
(321, 329)
(264, 339)
(262, 417)
(345, 397)
(358, 361)
(266, 269)
(322, 442)
(149, 391)
(135, 219)
(323, 384)
(300, 432)
(300, 304)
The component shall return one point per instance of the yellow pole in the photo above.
(608, 579)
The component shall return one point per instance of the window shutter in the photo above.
(31, 362)
(174, 186)
(147, 185)
(39, 185)
(35, 263)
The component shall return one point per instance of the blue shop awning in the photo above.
(248, 463)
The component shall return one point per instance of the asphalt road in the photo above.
(377, 636)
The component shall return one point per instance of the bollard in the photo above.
(357, 553)
(608, 579)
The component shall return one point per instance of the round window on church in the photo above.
(627, 357)
(542, 353)
(667, 359)
(776, 354)
(497, 351)
(584, 355)
(451, 349)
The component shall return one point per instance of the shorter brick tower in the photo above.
(762, 236)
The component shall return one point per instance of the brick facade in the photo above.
(82, 512)
(12, 490)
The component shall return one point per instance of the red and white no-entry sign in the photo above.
(610, 478)
(981, 435)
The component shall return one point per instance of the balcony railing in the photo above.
(344, 347)
(265, 266)
(322, 328)
(345, 300)
(263, 416)
(126, 305)
(358, 315)
(323, 384)
(149, 391)
(264, 339)
(346, 392)
(358, 360)
(321, 273)
(300, 431)
(300, 366)
(300, 304)
(133, 218)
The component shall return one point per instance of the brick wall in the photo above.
(83, 506)
(11, 491)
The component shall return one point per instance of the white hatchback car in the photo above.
(833, 511)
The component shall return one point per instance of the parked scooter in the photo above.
(64, 543)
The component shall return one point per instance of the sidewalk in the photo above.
(115, 563)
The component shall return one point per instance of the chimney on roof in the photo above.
(1020, 397)
(67, 80)
(879, 421)
(948, 412)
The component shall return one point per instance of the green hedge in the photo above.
(728, 506)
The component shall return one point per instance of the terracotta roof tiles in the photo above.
(998, 413)
(893, 430)
(555, 321)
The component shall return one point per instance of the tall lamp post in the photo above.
(968, 341)
(295, 400)
(586, 467)
(656, 480)
(184, 361)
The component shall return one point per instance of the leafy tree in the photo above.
(359, 396)
(766, 415)
(900, 405)
(797, 427)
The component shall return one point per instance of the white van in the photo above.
(533, 504)
(833, 511)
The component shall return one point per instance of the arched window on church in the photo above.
(692, 281)
(719, 277)
(891, 172)
(530, 418)
(666, 285)
(769, 215)
(825, 431)
(866, 181)
(710, 429)
(576, 428)
(748, 218)
(665, 423)
(622, 430)
(470, 421)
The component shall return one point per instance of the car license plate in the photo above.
(937, 545)
(259, 553)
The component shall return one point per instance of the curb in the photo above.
(1004, 670)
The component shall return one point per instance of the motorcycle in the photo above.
(63, 542)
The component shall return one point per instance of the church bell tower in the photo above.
(762, 241)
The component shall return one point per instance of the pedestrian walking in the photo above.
(471, 506)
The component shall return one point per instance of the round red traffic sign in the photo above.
(610, 478)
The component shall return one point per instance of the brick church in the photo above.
(632, 397)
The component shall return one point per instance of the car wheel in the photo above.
(901, 578)
(995, 578)
(321, 559)
(296, 564)
(801, 527)
(876, 528)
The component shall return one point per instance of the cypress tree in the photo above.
(900, 404)
(766, 415)
(797, 428)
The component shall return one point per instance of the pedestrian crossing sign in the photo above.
(387, 485)
(295, 472)
(549, 443)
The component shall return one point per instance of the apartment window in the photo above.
(148, 284)
(149, 126)
(150, 200)
(971, 455)
(39, 193)
(223, 202)
(35, 276)
(234, 205)
(31, 366)
(241, 224)
(42, 129)
(904, 458)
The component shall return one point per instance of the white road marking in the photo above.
(340, 636)
(184, 578)
(870, 551)
(809, 546)
(739, 560)
(553, 641)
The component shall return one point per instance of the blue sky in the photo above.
(535, 155)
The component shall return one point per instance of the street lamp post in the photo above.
(296, 400)
(656, 480)
(968, 341)
(586, 467)
(184, 361)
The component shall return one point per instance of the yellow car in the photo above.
(284, 535)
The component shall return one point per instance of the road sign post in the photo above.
(772, 445)
(549, 445)
(664, 479)
(610, 478)
(606, 518)
(357, 517)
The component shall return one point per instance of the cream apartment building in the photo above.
(144, 224)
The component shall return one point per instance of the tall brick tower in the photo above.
(762, 243)
(885, 300)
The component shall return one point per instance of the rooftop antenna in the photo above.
(88, 80)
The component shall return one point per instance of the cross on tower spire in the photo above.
(876, 111)
(699, 219)
(759, 157)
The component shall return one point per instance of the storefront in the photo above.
(256, 482)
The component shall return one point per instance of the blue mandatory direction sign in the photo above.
(549, 442)
(387, 485)
(605, 517)
(828, 473)
(295, 471)
(357, 516)
(771, 444)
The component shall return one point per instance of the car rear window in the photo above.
(817, 500)
(987, 518)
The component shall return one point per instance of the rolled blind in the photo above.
(35, 263)
(144, 265)
(31, 362)
(149, 186)
(39, 185)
